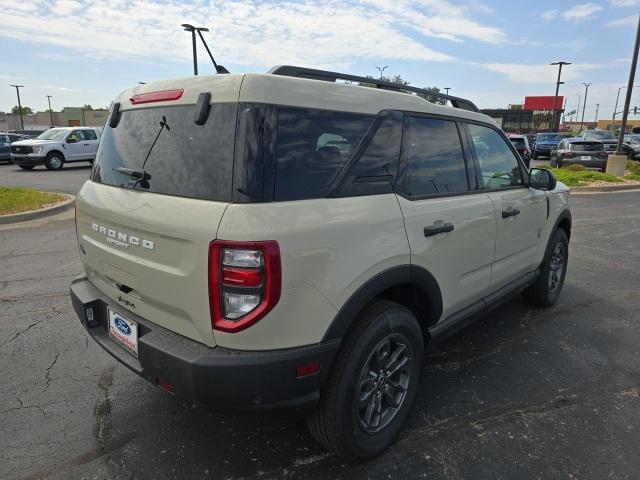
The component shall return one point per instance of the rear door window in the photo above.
(187, 160)
(312, 148)
(435, 162)
(89, 135)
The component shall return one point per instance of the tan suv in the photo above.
(286, 240)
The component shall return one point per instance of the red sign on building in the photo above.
(542, 103)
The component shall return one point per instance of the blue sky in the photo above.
(494, 52)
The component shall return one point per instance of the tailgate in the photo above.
(149, 254)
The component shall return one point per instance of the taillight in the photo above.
(245, 280)
(568, 155)
(602, 154)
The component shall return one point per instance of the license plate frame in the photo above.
(586, 157)
(123, 331)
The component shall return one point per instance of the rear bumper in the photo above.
(223, 378)
(27, 160)
(601, 164)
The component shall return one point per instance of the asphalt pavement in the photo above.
(68, 180)
(525, 393)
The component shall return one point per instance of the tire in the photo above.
(54, 161)
(546, 289)
(384, 330)
(26, 167)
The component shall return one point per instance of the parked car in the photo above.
(608, 139)
(57, 146)
(631, 146)
(237, 253)
(6, 139)
(588, 153)
(521, 143)
(545, 143)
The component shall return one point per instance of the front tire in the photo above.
(373, 384)
(54, 161)
(546, 289)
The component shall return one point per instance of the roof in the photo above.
(294, 92)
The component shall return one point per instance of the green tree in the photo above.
(87, 107)
(402, 83)
(25, 110)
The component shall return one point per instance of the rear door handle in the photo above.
(436, 229)
(510, 212)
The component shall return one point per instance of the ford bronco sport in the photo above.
(286, 240)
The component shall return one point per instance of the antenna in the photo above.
(219, 68)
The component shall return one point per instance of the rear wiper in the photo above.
(132, 172)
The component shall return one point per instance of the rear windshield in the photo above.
(518, 142)
(187, 160)
(586, 147)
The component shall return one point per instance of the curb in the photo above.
(607, 188)
(43, 212)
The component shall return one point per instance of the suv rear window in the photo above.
(518, 142)
(586, 147)
(187, 160)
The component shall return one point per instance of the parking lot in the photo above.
(525, 393)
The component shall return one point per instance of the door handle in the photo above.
(510, 212)
(436, 229)
(86, 144)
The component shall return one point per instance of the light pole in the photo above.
(193, 30)
(555, 98)
(50, 111)
(18, 87)
(584, 105)
(627, 100)
(597, 110)
(381, 70)
(447, 89)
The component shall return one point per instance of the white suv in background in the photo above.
(57, 146)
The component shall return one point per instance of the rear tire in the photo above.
(373, 384)
(54, 161)
(26, 167)
(546, 289)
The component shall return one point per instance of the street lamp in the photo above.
(447, 89)
(382, 69)
(50, 111)
(555, 98)
(584, 105)
(193, 30)
(18, 87)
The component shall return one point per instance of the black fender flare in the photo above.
(412, 275)
(564, 215)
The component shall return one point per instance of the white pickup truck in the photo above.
(57, 146)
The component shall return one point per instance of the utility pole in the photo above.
(584, 105)
(597, 109)
(18, 87)
(555, 98)
(382, 69)
(616, 163)
(193, 30)
(50, 111)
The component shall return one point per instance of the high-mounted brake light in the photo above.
(245, 280)
(162, 96)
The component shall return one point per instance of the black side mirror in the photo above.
(541, 179)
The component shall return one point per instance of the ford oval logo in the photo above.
(122, 326)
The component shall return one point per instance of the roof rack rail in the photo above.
(327, 76)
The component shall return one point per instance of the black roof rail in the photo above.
(313, 74)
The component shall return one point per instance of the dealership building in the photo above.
(533, 115)
(41, 121)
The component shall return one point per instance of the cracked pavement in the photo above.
(524, 393)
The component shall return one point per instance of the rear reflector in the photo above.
(162, 96)
(166, 386)
(244, 277)
(308, 369)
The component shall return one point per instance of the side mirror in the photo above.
(72, 140)
(541, 179)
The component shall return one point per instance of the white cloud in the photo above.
(311, 32)
(582, 11)
(625, 3)
(549, 15)
(624, 21)
(540, 73)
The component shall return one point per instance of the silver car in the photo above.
(588, 153)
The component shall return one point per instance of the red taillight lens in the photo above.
(567, 155)
(245, 280)
(307, 369)
(602, 154)
(162, 96)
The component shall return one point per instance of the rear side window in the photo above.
(187, 160)
(435, 162)
(312, 148)
(586, 147)
(89, 135)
